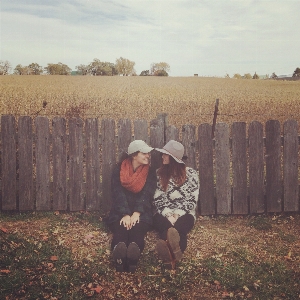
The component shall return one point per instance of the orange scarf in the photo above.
(133, 181)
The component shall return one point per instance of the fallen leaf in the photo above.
(5, 271)
(53, 258)
(5, 230)
(98, 289)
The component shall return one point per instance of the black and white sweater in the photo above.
(178, 200)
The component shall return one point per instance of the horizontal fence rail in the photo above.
(66, 165)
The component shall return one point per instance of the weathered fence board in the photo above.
(273, 161)
(76, 193)
(256, 167)
(108, 160)
(189, 143)
(25, 150)
(59, 154)
(239, 168)
(92, 164)
(222, 150)
(156, 141)
(141, 130)
(172, 133)
(42, 154)
(206, 173)
(290, 166)
(124, 136)
(9, 179)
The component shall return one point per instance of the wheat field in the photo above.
(186, 100)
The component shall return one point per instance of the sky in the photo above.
(204, 37)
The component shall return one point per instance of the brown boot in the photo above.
(173, 239)
(165, 255)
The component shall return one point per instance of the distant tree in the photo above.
(247, 76)
(82, 69)
(5, 67)
(274, 76)
(255, 76)
(20, 70)
(160, 69)
(296, 72)
(267, 76)
(227, 75)
(145, 73)
(125, 66)
(237, 76)
(35, 69)
(99, 68)
(58, 69)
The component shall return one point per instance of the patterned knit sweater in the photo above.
(178, 200)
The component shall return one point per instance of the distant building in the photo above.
(196, 75)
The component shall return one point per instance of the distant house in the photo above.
(196, 75)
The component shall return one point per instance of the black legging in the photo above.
(183, 225)
(136, 234)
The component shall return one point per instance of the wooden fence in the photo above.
(67, 166)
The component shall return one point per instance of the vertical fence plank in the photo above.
(290, 166)
(273, 160)
(156, 141)
(92, 164)
(141, 130)
(239, 167)
(9, 179)
(76, 165)
(42, 154)
(256, 167)
(59, 154)
(222, 150)
(124, 136)
(108, 160)
(206, 173)
(189, 143)
(25, 138)
(172, 133)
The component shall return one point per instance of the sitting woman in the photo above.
(175, 202)
(133, 185)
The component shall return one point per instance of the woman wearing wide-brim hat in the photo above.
(175, 202)
(133, 183)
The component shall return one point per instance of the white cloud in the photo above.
(204, 37)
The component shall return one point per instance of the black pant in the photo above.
(136, 234)
(183, 225)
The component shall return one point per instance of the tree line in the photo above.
(122, 66)
(255, 76)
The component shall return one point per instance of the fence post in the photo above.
(141, 130)
(273, 161)
(222, 150)
(92, 164)
(108, 160)
(206, 173)
(25, 142)
(76, 164)
(290, 166)
(124, 136)
(172, 133)
(239, 167)
(9, 176)
(256, 167)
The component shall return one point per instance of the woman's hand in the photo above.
(172, 219)
(126, 222)
(135, 218)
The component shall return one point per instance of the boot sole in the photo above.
(133, 254)
(164, 254)
(119, 256)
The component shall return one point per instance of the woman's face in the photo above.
(165, 159)
(141, 159)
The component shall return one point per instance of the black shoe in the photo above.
(133, 255)
(119, 256)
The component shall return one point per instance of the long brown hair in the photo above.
(173, 170)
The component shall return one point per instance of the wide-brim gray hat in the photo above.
(175, 149)
(139, 146)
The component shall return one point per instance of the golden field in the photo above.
(187, 100)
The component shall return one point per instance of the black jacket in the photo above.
(125, 202)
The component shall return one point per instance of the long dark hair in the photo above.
(173, 170)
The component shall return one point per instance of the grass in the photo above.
(66, 256)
